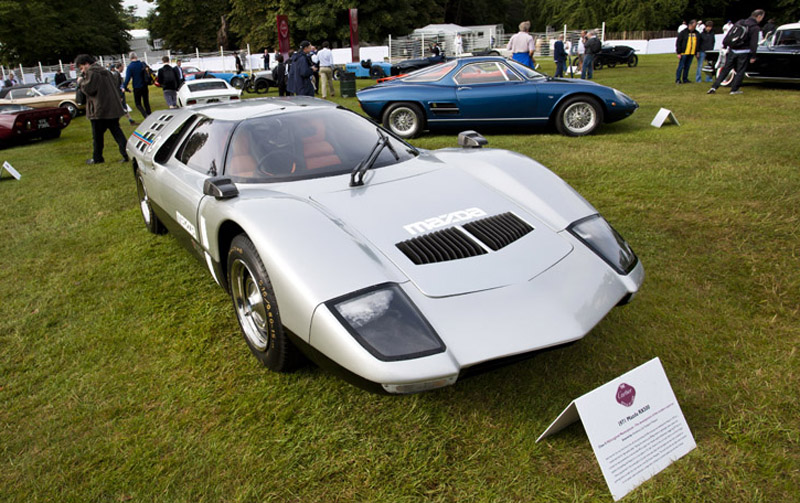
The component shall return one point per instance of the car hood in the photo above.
(416, 207)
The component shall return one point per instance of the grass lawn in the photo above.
(123, 375)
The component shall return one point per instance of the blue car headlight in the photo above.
(385, 321)
(596, 233)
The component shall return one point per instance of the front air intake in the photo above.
(498, 231)
(440, 246)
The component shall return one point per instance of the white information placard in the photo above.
(13, 172)
(662, 116)
(634, 424)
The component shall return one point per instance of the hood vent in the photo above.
(451, 244)
(440, 246)
(498, 231)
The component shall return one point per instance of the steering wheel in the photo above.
(277, 163)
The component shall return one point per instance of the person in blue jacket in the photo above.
(301, 70)
(141, 94)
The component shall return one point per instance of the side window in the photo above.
(16, 94)
(162, 156)
(486, 72)
(204, 148)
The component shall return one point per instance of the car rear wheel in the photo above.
(597, 64)
(338, 73)
(257, 309)
(579, 116)
(262, 86)
(406, 120)
(71, 108)
(151, 221)
(237, 82)
(633, 60)
(376, 72)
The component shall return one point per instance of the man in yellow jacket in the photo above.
(686, 47)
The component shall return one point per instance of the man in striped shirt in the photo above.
(686, 47)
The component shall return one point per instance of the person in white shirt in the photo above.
(727, 26)
(459, 43)
(581, 49)
(700, 26)
(522, 45)
(682, 27)
(325, 57)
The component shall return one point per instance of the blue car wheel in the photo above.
(406, 120)
(578, 116)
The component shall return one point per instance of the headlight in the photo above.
(386, 323)
(622, 97)
(601, 238)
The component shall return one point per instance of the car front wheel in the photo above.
(151, 221)
(71, 108)
(262, 86)
(578, 116)
(257, 309)
(406, 120)
(598, 64)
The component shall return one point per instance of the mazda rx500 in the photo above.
(403, 269)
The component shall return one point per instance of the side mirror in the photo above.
(220, 187)
(471, 139)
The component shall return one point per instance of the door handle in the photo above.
(463, 88)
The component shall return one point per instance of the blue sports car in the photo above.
(479, 91)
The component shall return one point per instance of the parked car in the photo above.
(364, 70)
(68, 85)
(480, 91)
(20, 123)
(204, 91)
(301, 211)
(236, 80)
(613, 55)
(777, 59)
(412, 65)
(260, 82)
(40, 96)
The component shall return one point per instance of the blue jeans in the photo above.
(588, 66)
(683, 68)
(701, 56)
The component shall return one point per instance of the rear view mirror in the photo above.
(220, 187)
(471, 139)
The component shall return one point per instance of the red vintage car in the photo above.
(20, 122)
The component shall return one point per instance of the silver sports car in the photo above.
(402, 269)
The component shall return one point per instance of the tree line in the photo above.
(49, 30)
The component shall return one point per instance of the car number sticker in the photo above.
(186, 224)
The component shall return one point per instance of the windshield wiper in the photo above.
(357, 175)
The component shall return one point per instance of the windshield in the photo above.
(306, 144)
(207, 86)
(46, 89)
(431, 73)
(524, 70)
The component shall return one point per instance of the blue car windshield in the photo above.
(529, 73)
(306, 144)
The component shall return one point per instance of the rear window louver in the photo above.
(440, 246)
(494, 232)
(146, 139)
(498, 231)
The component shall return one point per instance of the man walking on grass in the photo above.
(740, 51)
(103, 106)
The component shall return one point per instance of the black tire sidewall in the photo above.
(280, 353)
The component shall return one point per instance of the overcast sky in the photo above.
(141, 5)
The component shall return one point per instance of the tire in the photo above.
(597, 64)
(257, 309)
(338, 73)
(406, 120)
(248, 86)
(237, 82)
(71, 108)
(262, 86)
(633, 60)
(151, 221)
(376, 72)
(728, 79)
(578, 116)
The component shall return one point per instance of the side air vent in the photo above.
(440, 246)
(498, 231)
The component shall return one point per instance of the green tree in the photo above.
(186, 24)
(49, 30)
